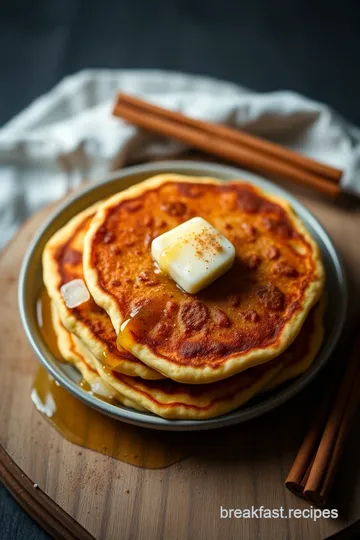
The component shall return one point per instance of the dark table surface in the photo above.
(308, 46)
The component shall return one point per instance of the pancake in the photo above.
(65, 342)
(175, 400)
(73, 351)
(62, 262)
(179, 401)
(302, 352)
(245, 318)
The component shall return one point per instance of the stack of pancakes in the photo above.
(185, 356)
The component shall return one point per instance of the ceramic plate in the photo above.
(30, 285)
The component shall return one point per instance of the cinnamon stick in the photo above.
(212, 142)
(255, 142)
(319, 495)
(301, 467)
(315, 466)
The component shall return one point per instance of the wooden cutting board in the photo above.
(79, 490)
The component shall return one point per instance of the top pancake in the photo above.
(246, 317)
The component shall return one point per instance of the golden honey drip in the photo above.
(140, 323)
(86, 427)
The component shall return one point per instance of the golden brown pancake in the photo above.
(247, 317)
(174, 400)
(62, 262)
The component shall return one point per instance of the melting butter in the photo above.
(194, 254)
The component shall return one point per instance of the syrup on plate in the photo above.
(88, 428)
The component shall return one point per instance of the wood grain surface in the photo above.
(237, 467)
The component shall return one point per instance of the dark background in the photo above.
(309, 46)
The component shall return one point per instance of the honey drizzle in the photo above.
(140, 323)
(88, 428)
(108, 360)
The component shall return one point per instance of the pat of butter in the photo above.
(194, 254)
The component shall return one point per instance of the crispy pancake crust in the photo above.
(62, 262)
(247, 317)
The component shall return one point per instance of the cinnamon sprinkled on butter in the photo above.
(194, 254)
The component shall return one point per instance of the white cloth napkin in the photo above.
(69, 133)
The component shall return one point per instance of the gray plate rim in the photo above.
(148, 419)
